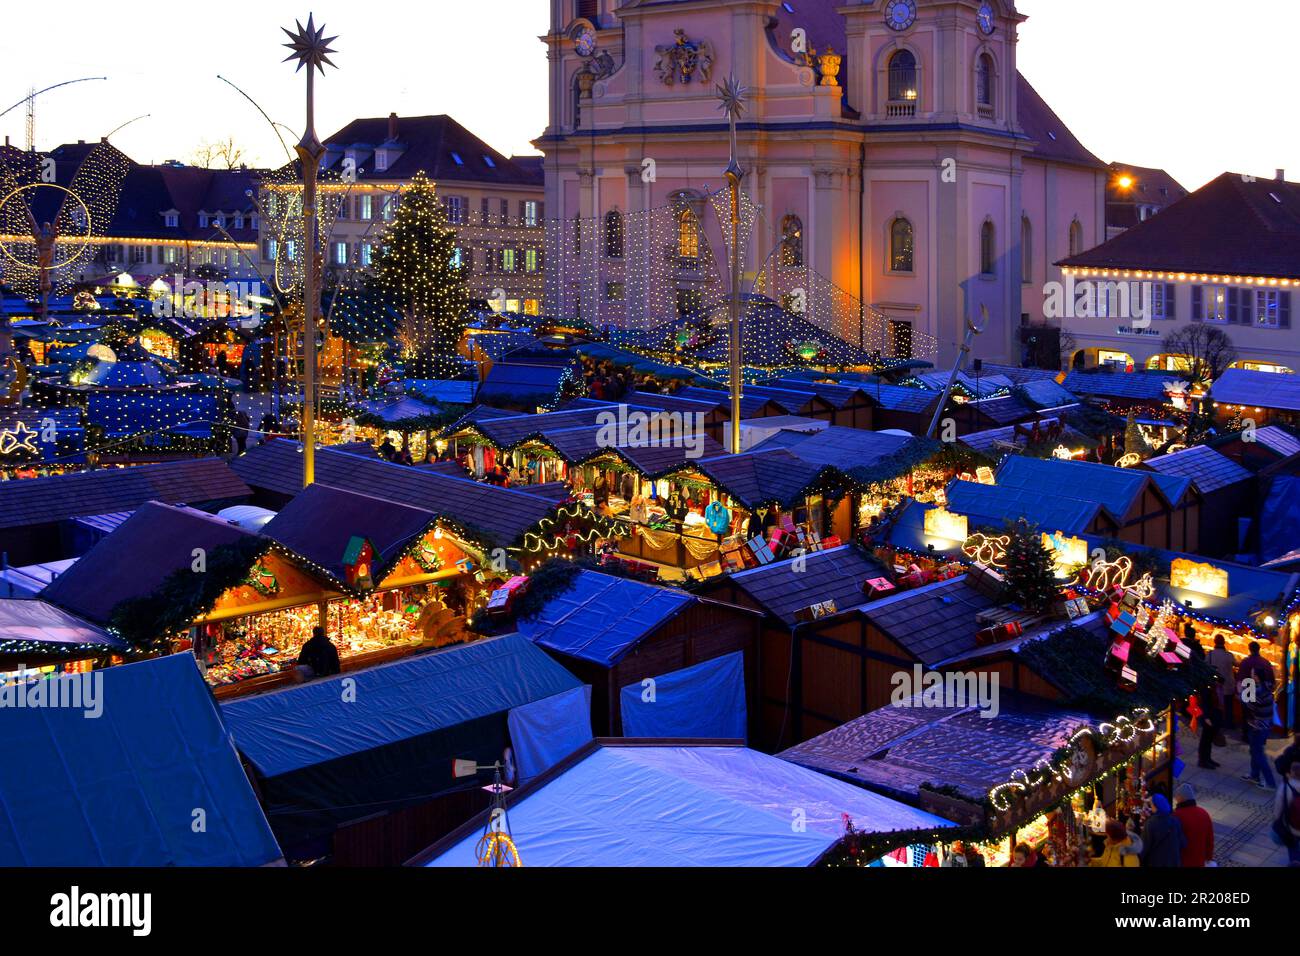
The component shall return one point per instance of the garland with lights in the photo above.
(149, 622)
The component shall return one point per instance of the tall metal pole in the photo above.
(972, 330)
(732, 96)
(311, 48)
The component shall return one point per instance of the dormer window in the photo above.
(218, 221)
(239, 220)
(203, 220)
(171, 220)
(382, 160)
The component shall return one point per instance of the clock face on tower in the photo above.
(900, 14)
(985, 17)
(585, 42)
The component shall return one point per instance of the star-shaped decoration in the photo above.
(732, 97)
(18, 438)
(310, 46)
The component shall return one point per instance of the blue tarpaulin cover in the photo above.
(689, 806)
(707, 700)
(546, 731)
(298, 727)
(1279, 520)
(121, 789)
(601, 617)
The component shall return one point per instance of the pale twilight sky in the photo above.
(1195, 86)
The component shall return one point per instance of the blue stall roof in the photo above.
(685, 806)
(120, 790)
(510, 382)
(601, 617)
(288, 730)
(1119, 489)
(1208, 469)
(1141, 386)
(1045, 393)
(24, 623)
(1274, 390)
(992, 505)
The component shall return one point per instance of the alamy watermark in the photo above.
(633, 428)
(84, 692)
(921, 688)
(1100, 299)
(190, 300)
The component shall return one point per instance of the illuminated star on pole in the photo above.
(310, 46)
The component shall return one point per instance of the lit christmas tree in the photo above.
(418, 270)
(1031, 574)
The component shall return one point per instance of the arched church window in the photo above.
(903, 77)
(1076, 238)
(901, 246)
(688, 235)
(614, 234)
(984, 80)
(791, 241)
(988, 249)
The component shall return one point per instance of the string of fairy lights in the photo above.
(78, 215)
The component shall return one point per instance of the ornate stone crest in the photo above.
(684, 61)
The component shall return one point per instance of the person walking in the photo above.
(1225, 665)
(1162, 837)
(1259, 724)
(1197, 826)
(1211, 724)
(1255, 678)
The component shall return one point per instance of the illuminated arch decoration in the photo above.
(1108, 575)
(1063, 766)
(990, 550)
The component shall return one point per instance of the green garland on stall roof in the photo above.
(1073, 660)
(872, 846)
(150, 621)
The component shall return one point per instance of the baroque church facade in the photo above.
(892, 153)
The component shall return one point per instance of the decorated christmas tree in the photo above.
(1031, 573)
(418, 271)
(1135, 443)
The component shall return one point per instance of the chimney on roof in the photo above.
(81, 142)
(392, 126)
(1281, 175)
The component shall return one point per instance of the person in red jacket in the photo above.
(1197, 827)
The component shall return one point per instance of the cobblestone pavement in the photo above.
(1242, 813)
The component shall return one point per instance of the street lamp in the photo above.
(732, 97)
(311, 48)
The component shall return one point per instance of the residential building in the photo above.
(168, 219)
(1136, 193)
(494, 202)
(1228, 255)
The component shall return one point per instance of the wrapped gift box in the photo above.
(1117, 657)
(1128, 679)
(986, 580)
(877, 587)
(761, 551)
(831, 541)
